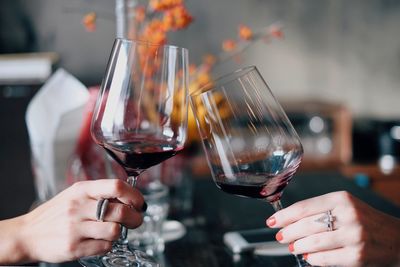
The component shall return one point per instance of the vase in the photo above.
(125, 18)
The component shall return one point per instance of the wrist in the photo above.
(13, 248)
(23, 241)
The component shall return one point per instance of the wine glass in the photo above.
(250, 145)
(140, 119)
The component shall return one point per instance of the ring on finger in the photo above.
(328, 219)
(102, 205)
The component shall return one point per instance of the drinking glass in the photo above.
(250, 145)
(140, 119)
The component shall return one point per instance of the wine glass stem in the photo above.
(122, 241)
(277, 205)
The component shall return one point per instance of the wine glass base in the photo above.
(134, 258)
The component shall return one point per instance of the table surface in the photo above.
(214, 212)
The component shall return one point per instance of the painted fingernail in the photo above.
(144, 207)
(279, 236)
(291, 247)
(305, 256)
(271, 221)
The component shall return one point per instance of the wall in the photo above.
(335, 50)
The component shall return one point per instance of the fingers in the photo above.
(302, 209)
(115, 212)
(91, 247)
(319, 242)
(305, 227)
(342, 256)
(108, 231)
(112, 189)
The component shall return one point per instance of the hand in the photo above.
(65, 228)
(362, 236)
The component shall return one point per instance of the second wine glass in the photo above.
(140, 119)
(251, 147)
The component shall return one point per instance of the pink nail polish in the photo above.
(291, 247)
(279, 236)
(271, 221)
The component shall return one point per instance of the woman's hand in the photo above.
(65, 228)
(361, 236)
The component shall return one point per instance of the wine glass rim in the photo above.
(226, 78)
(149, 43)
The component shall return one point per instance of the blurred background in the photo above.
(336, 71)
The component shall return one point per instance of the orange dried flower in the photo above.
(276, 32)
(245, 33)
(89, 21)
(192, 69)
(228, 45)
(162, 5)
(177, 18)
(203, 79)
(140, 13)
(209, 60)
(154, 32)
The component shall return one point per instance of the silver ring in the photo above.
(101, 209)
(328, 219)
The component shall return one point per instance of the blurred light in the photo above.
(324, 145)
(316, 124)
(387, 163)
(238, 144)
(144, 124)
(395, 132)
(261, 142)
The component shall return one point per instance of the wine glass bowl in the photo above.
(140, 119)
(250, 145)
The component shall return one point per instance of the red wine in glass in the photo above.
(135, 155)
(262, 179)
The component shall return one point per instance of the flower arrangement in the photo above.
(153, 21)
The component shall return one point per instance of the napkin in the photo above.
(54, 119)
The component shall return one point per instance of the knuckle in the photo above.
(121, 212)
(118, 186)
(358, 234)
(137, 221)
(354, 214)
(72, 208)
(343, 197)
(115, 230)
(107, 246)
(70, 230)
(71, 248)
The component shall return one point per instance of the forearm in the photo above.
(12, 248)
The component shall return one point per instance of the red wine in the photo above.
(136, 155)
(253, 184)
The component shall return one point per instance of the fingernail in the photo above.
(305, 256)
(291, 247)
(279, 236)
(144, 207)
(271, 221)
